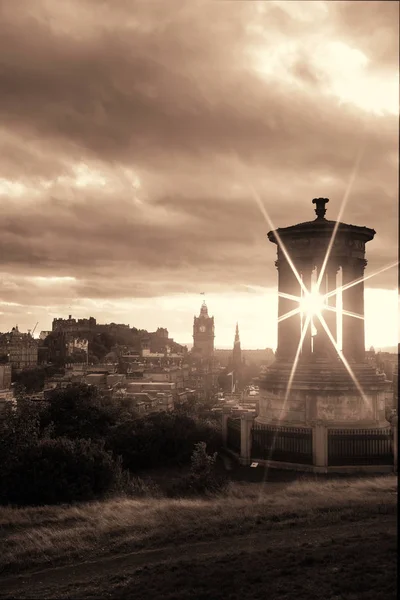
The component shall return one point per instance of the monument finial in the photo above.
(320, 210)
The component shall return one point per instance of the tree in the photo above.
(61, 470)
(77, 356)
(203, 477)
(19, 430)
(79, 411)
(160, 439)
(31, 379)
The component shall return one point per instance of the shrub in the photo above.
(79, 412)
(61, 471)
(203, 478)
(160, 440)
(20, 429)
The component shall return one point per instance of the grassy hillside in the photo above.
(344, 524)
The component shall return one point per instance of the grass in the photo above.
(33, 538)
(364, 568)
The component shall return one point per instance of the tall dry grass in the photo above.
(49, 536)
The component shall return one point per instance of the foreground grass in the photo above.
(359, 567)
(33, 538)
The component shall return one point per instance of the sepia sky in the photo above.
(132, 135)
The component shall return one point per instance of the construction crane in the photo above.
(34, 328)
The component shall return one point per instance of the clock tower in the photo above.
(203, 334)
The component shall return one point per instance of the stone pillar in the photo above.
(246, 423)
(353, 301)
(347, 304)
(359, 325)
(226, 413)
(322, 346)
(330, 316)
(306, 272)
(288, 329)
(320, 445)
(394, 425)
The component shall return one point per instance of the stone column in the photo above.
(347, 304)
(394, 424)
(288, 329)
(320, 445)
(246, 423)
(306, 272)
(353, 301)
(330, 316)
(322, 346)
(359, 325)
(226, 413)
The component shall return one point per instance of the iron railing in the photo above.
(285, 444)
(360, 447)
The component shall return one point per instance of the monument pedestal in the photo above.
(325, 423)
(322, 391)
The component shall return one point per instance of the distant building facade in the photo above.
(5, 376)
(203, 335)
(76, 326)
(203, 376)
(20, 349)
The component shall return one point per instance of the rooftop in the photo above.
(321, 226)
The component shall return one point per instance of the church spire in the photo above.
(237, 339)
(236, 345)
(237, 358)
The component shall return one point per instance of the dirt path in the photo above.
(123, 564)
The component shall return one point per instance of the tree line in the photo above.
(79, 445)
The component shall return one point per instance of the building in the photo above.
(203, 376)
(43, 335)
(146, 396)
(20, 350)
(162, 333)
(147, 402)
(324, 404)
(5, 376)
(173, 374)
(237, 361)
(76, 326)
(203, 335)
(203, 379)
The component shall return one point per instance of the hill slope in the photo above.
(311, 540)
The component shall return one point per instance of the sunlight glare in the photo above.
(312, 303)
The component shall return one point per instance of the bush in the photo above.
(61, 471)
(203, 478)
(20, 429)
(79, 412)
(160, 440)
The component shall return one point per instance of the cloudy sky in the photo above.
(134, 134)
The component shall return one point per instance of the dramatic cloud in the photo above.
(133, 133)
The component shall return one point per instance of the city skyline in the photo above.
(129, 160)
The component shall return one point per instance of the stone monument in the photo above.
(332, 383)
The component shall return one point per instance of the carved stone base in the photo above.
(322, 391)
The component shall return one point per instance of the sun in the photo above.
(312, 303)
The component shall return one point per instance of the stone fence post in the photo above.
(394, 425)
(226, 413)
(320, 444)
(246, 423)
